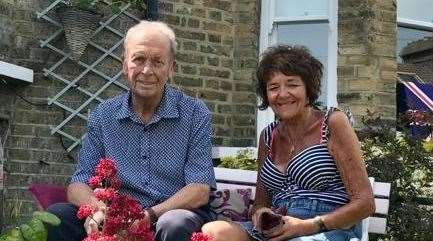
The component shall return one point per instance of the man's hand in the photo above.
(92, 222)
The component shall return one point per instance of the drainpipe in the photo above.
(4, 131)
(152, 10)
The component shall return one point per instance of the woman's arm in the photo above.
(344, 147)
(261, 198)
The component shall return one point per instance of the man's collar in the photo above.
(167, 108)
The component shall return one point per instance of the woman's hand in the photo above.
(292, 227)
(257, 213)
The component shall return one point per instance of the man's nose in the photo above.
(147, 69)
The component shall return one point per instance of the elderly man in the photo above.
(159, 138)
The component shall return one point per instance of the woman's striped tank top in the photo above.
(312, 173)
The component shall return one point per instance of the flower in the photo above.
(95, 181)
(105, 194)
(123, 214)
(106, 168)
(198, 236)
(85, 210)
(141, 231)
(115, 183)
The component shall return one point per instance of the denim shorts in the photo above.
(305, 208)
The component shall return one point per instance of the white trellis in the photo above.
(72, 84)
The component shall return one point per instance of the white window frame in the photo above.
(268, 38)
(414, 24)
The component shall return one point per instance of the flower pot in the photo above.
(79, 26)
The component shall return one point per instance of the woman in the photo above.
(310, 161)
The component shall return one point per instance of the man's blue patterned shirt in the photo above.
(155, 159)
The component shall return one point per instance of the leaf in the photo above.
(47, 217)
(27, 232)
(40, 232)
(15, 235)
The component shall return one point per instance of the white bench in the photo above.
(233, 178)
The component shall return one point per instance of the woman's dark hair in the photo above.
(289, 60)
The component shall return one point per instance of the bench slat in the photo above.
(376, 225)
(382, 205)
(235, 176)
(381, 189)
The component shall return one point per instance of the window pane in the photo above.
(312, 35)
(294, 8)
(421, 10)
(406, 38)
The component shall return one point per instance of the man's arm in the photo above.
(199, 173)
(192, 196)
(78, 192)
(91, 151)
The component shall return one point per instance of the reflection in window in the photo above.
(407, 38)
(312, 35)
(415, 38)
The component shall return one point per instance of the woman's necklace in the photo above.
(291, 142)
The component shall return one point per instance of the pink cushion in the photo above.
(47, 194)
(231, 204)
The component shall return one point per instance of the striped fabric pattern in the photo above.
(312, 173)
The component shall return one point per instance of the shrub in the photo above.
(407, 164)
(243, 160)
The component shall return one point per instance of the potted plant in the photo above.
(34, 230)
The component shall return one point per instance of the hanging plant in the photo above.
(80, 19)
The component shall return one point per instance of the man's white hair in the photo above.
(162, 27)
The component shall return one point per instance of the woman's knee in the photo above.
(224, 231)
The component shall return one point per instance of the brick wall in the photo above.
(218, 49)
(217, 55)
(367, 62)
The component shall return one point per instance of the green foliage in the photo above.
(407, 164)
(243, 160)
(34, 230)
(84, 4)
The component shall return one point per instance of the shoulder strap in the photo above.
(325, 125)
(269, 130)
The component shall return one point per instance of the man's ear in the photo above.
(124, 66)
(172, 69)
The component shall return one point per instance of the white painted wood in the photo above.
(377, 225)
(410, 23)
(16, 72)
(234, 175)
(365, 225)
(331, 80)
(381, 189)
(309, 18)
(382, 205)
